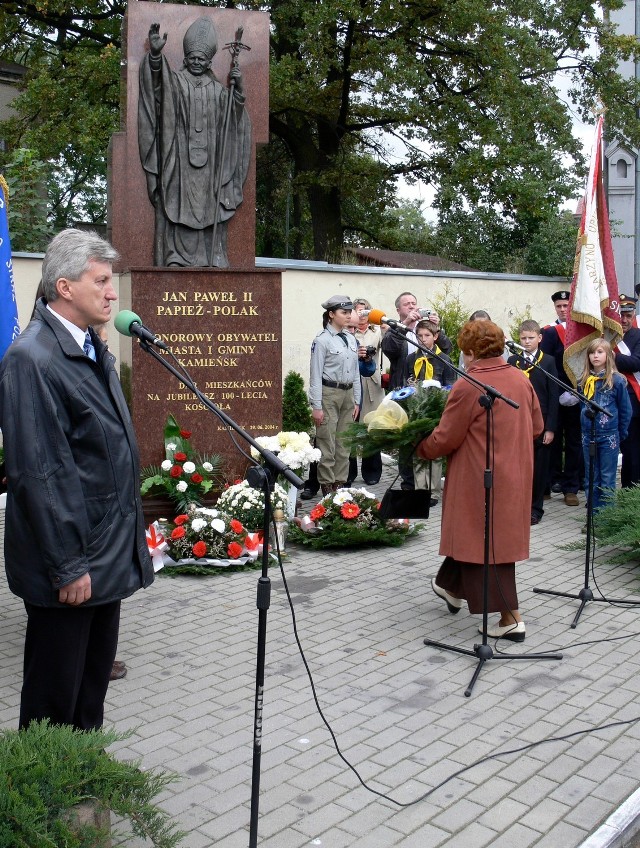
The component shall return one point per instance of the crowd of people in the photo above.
(551, 433)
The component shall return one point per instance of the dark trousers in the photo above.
(567, 437)
(68, 655)
(630, 471)
(370, 467)
(541, 460)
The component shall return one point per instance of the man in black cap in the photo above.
(334, 390)
(567, 438)
(627, 356)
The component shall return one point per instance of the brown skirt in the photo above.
(464, 580)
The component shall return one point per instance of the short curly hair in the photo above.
(482, 338)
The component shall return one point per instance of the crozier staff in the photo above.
(460, 436)
(75, 542)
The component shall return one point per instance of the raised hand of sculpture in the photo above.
(194, 137)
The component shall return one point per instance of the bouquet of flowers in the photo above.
(403, 419)
(349, 517)
(246, 504)
(203, 538)
(185, 476)
(294, 449)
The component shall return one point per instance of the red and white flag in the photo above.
(594, 310)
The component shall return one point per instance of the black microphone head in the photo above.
(124, 320)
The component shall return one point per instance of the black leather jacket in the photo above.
(73, 503)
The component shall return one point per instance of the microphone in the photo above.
(377, 316)
(129, 324)
(514, 347)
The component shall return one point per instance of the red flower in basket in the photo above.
(180, 457)
(196, 478)
(234, 550)
(236, 526)
(350, 510)
(180, 520)
(176, 471)
(317, 512)
(178, 533)
(199, 549)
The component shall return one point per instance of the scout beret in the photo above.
(560, 295)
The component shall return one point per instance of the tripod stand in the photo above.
(483, 652)
(585, 594)
(263, 478)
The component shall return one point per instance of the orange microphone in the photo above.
(377, 316)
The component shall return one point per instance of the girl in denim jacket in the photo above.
(602, 383)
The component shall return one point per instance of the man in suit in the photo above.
(567, 443)
(535, 364)
(627, 356)
(75, 542)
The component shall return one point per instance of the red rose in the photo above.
(197, 478)
(349, 510)
(180, 457)
(176, 471)
(234, 550)
(186, 434)
(178, 533)
(180, 520)
(317, 512)
(236, 526)
(199, 549)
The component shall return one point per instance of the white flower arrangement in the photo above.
(247, 503)
(294, 449)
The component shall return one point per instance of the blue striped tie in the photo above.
(88, 347)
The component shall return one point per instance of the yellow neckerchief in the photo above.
(590, 383)
(527, 371)
(428, 367)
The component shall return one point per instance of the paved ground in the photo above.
(396, 706)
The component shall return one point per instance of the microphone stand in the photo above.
(483, 651)
(258, 477)
(585, 594)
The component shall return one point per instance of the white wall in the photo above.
(305, 285)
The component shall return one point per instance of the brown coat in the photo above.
(461, 436)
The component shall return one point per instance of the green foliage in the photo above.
(460, 96)
(617, 525)
(26, 177)
(452, 314)
(552, 248)
(296, 409)
(46, 770)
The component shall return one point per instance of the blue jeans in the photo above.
(605, 466)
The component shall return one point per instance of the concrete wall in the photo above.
(305, 285)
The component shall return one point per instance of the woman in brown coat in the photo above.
(461, 436)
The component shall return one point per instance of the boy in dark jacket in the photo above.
(547, 392)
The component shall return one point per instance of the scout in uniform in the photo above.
(627, 358)
(334, 390)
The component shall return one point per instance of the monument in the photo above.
(182, 215)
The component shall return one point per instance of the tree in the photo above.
(460, 95)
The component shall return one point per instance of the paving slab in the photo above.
(397, 707)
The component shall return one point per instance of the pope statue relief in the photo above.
(194, 137)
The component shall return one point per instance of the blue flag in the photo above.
(9, 327)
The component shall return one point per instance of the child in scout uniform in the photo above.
(334, 390)
(627, 357)
(547, 392)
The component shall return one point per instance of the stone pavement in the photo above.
(396, 706)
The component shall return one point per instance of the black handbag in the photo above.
(397, 503)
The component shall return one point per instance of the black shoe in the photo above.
(371, 482)
(433, 502)
(556, 488)
(307, 494)
(349, 484)
(535, 519)
(407, 487)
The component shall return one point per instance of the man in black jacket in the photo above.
(627, 357)
(75, 541)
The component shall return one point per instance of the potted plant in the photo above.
(184, 477)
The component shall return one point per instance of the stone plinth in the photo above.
(225, 329)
